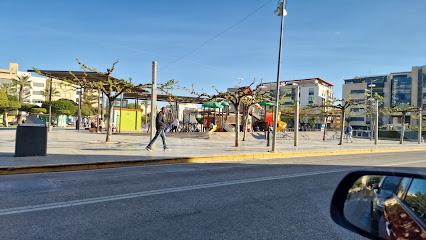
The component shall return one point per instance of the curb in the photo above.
(198, 159)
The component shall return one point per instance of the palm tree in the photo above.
(46, 92)
(8, 88)
(21, 84)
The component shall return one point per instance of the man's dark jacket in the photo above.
(160, 122)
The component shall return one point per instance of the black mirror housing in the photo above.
(341, 194)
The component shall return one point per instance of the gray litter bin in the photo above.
(31, 140)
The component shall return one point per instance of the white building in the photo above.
(311, 91)
(33, 95)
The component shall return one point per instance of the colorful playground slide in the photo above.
(214, 128)
(281, 125)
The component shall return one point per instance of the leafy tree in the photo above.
(62, 107)
(89, 98)
(8, 103)
(403, 110)
(239, 96)
(22, 83)
(27, 107)
(110, 86)
(38, 110)
(86, 111)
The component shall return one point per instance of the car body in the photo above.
(405, 210)
(382, 191)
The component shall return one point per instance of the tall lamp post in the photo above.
(280, 11)
(371, 115)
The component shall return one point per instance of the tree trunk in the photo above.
(237, 124)
(21, 100)
(325, 129)
(5, 121)
(110, 119)
(401, 139)
(342, 127)
(245, 122)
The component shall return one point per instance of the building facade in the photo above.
(34, 94)
(398, 89)
(311, 91)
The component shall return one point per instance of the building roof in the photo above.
(165, 98)
(89, 76)
(301, 80)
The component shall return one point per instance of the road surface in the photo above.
(285, 198)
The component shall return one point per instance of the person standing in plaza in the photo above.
(175, 125)
(348, 132)
(160, 125)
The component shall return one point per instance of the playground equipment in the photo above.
(214, 128)
(281, 125)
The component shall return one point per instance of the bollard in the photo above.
(268, 138)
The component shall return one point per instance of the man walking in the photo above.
(160, 125)
(348, 132)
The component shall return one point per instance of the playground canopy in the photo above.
(266, 104)
(212, 105)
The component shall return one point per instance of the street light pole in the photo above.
(279, 12)
(376, 124)
(371, 115)
(296, 118)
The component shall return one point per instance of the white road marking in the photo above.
(33, 208)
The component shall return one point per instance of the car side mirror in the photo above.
(356, 207)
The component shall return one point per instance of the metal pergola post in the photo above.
(121, 107)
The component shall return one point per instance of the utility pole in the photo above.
(376, 124)
(296, 118)
(420, 125)
(99, 110)
(50, 105)
(79, 110)
(153, 101)
(280, 12)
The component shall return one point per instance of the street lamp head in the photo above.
(280, 11)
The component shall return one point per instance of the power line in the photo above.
(217, 35)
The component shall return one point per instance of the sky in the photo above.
(329, 39)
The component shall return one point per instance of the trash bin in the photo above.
(31, 140)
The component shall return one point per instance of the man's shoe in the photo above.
(167, 149)
(148, 149)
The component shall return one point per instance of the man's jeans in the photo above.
(159, 132)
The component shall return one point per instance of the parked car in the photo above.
(405, 210)
(382, 191)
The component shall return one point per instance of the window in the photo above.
(416, 197)
(357, 119)
(357, 91)
(357, 109)
(401, 188)
(38, 84)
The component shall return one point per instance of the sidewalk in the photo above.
(82, 150)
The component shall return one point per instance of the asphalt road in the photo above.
(285, 198)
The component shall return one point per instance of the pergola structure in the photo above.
(90, 78)
(134, 93)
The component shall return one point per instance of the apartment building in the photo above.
(311, 91)
(34, 94)
(397, 89)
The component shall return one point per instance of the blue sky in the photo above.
(333, 40)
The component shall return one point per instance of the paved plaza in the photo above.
(68, 146)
